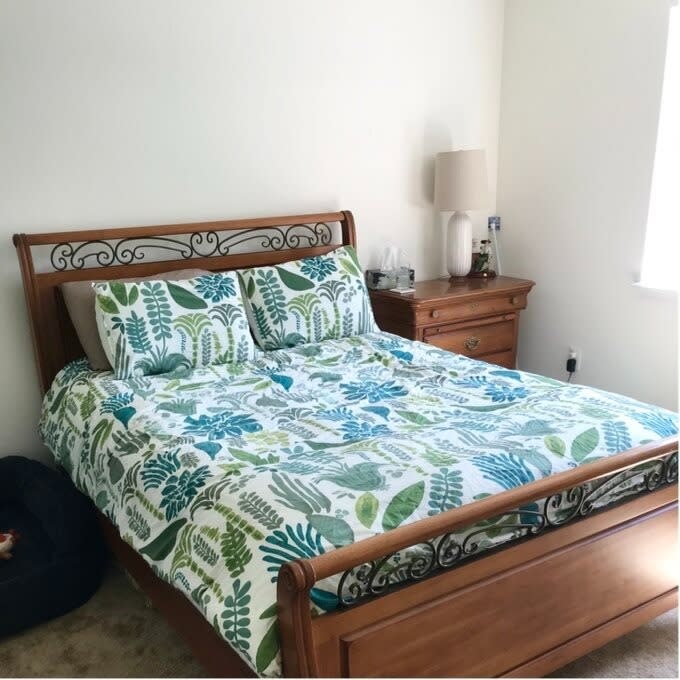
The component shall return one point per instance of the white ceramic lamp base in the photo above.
(459, 245)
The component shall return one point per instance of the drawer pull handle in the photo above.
(514, 300)
(472, 343)
(435, 313)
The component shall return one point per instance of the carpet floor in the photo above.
(117, 635)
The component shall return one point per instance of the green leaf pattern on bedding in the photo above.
(220, 475)
(156, 327)
(308, 300)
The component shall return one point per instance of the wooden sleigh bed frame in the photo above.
(578, 577)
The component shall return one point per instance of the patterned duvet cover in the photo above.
(220, 475)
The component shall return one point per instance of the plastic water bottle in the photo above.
(494, 228)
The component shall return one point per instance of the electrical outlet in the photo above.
(575, 353)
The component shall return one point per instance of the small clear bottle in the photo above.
(403, 272)
(495, 255)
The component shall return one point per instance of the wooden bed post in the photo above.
(349, 235)
(295, 619)
(28, 279)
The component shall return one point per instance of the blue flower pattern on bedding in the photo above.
(221, 425)
(219, 475)
(318, 268)
(372, 390)
(215, 287)
(500, 393)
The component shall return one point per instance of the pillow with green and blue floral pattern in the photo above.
(155, 326)
(308, 300)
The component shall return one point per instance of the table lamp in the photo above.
(460, 184)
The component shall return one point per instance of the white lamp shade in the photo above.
(460, 180)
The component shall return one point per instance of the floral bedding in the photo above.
(219, 475)
(309, 300)
(153, 327)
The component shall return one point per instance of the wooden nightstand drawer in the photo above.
(505, 359)
(475, 317)
(472, 309)
(496, 336)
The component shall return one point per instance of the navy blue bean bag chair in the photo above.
(59, 559)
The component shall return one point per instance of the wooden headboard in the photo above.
(142, 251)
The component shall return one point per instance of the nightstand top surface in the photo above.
(445, 289)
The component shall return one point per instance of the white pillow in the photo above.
(158, 326)
(308, 300)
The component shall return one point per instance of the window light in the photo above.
(659, 264)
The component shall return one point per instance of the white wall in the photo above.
(152, 111)
(581, 88)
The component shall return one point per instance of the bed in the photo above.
(366, 506)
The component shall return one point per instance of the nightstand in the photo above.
(476, 317)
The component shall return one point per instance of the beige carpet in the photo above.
(116, 635)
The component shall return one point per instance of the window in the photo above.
(662, 242)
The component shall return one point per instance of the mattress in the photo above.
(219, 475)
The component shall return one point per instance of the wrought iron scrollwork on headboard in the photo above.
(102, 253)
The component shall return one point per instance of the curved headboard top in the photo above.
(116, 253)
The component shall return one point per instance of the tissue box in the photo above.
(380, 280)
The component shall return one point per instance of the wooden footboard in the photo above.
(588, 575)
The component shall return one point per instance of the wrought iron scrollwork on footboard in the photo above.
(388, 572)
(103, 253)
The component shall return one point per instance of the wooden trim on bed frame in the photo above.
(523, 610)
